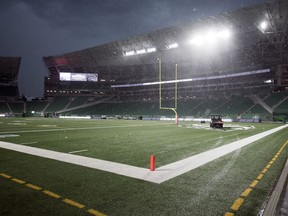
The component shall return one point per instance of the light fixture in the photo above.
(172, 46)
(141, 51)
(210, 37)
(263, 25)
(152, 49)
(129, 53)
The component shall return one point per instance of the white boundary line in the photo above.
(159, 176)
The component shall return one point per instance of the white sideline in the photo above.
(159, 176)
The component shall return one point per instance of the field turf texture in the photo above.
(207, 190)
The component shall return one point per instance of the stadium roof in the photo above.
(258, 39)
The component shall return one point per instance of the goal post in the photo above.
(174, 109)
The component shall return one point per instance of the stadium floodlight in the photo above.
(172, 46)
(224, 34)
(141, 51)
(210, 37)
(129, 53)
(263, 25)
(152, 49)
(197, 40)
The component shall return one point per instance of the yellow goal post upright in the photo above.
(174, 109)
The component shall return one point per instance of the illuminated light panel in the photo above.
(130, 53)
(210, 37)
(137, 52)
(268, 81)
(141, 51)
(152, 49)
(172, 46)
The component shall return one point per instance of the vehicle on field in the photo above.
(216, 121)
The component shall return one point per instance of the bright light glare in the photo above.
(268, 81)
(225, 34)
(141, 51)
(137, 52)
(152, 49)
(197, 40)
(263, 25)
(130, 53)
(210, 37)
(171, 46)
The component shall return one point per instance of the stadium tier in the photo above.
(239, 58)
(9, 69)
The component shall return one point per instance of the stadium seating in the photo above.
(37, 106)
(58, 103)
(17, 107)
(4, 108)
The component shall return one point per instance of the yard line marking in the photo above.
(260, 176)
(73, 203)
(28, 143)
(246, 192)
(73, 152)
(5, 175)
(160, 175)
(33, 187)
(96, 213)
(19, 181)
(254, 183)
(49, 193)
(237, 204)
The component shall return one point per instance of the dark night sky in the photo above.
(35, 28)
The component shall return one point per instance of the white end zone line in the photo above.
(160, 175)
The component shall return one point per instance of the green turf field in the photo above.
(207, 190)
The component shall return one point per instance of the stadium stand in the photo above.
(4, 108)
(9, 69)
(239, 69)
(36, 106)
(17, 108)
(9, 92)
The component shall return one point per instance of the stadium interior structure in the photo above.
(235, 64)
(9, 92)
